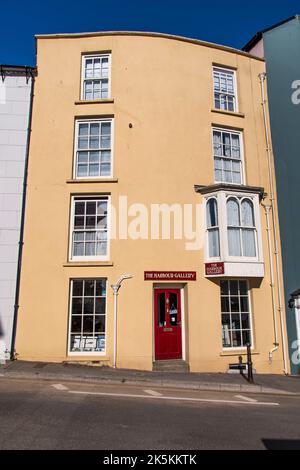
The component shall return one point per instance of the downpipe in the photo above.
(262, 78)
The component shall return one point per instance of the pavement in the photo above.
(263, 383)
(43, 414)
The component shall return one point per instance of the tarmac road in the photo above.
(36, 414)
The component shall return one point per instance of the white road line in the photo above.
(153, 392)
(59, 387)
(205, 400)
(252, 400)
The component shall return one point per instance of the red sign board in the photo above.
(213, 269)
(170, 275)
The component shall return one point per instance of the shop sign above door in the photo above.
(170, 275)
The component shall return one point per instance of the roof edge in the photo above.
(148, 34)
(257, 36)
(17, 70)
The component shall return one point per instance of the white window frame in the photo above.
(221, 197)
(95, 56)
(235, 94)
(239, 348)
(242, 160)
(86, 353)
(71, 225)
(76, 132)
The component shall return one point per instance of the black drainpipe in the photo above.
(21, 240)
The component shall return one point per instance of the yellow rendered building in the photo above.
(148, 164)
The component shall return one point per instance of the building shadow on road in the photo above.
(281, 444)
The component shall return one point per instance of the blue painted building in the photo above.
(280, 46)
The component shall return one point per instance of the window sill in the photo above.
(238, 352)
(87, 264)
(92, 180)
(230, 113)
(107, 100)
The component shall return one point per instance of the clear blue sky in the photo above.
(230, 23)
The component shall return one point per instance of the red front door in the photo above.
(167, 329)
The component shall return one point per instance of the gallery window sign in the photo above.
(170, 276)
(212, 269)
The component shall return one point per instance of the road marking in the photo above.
(153, 392)
(204, 400)
(59, 387)
(252, 400)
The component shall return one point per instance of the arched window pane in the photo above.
(211, 213)
(247, 213)
(233, 213)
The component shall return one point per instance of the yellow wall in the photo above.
(163, 87)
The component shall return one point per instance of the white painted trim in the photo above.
(242, 349)
(242, 159)
(85, 353)
(71, 225)
(93, 56)
(231, 72)
(79, 121)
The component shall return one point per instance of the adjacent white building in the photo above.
(16, 84)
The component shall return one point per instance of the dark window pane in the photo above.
(76, 324)
(161, 310)
(246, 337)
(245, 321)
(100, 323)
(226, 320)
(90, 222)
(224, 287)
(243, 288)
(89, 288)
(77, 288)
(244, 304)
(236, 338)
(100, 287)
(235, 322)
(77, 306)
(233, 287)
(79, 222)
(79, 208)
(225, 304)
(88, 324)
(234, 304)
(91, 208)
(173, 310)
(100, 305)
(88, 306)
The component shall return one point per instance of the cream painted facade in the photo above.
(162, 105)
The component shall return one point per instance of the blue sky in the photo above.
(230, 23)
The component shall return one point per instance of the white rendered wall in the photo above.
(14, 111)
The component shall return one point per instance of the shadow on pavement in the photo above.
(281, 444)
